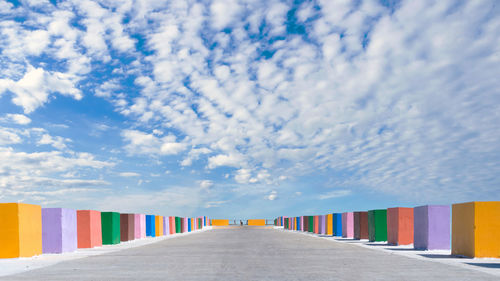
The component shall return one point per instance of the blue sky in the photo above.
(240, 109)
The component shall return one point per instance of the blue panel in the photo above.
(189, 225)
(150, 226)
(337, 224)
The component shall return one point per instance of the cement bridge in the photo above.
(251, 253)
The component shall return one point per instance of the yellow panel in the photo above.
(159, 225)
(487, 240)
(462, 238)
(30, 230)
(220, 222)
(329, 224)
(9, 224)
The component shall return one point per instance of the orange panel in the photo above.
(216, 222)
(21, 230)
(257, 222)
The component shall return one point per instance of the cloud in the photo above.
(56, 142)
(41, 175)
(334, 194)
(272, 196)
(215, 204)
(8, 136)
(224, 160)
(148, 144)
(32, 90)
(206, 184)
(390, 99)
(129, 174)
(19, 119)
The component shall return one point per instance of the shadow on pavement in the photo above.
(404, 249)
(441, 256)
(487, 265)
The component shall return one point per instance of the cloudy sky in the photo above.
(249, 108)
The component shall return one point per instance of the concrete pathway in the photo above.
(250, 254)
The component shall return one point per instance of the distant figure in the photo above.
(235, 222)
(241, 223)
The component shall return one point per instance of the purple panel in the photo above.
(165, 226)
(344, 225)
(439, 227)
(431, 227)
(420, 227)
(58, 230)
(323, 224)
(69, 230)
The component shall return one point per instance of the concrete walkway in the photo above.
(250, 254)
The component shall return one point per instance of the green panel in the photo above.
(311, 223)
(177, 225)
(377, 225)
(110, 224)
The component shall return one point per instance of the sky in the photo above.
(249, 108)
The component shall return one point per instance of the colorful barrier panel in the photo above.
(431, 226)
(189, 224)
(377, 225)
(337, 224)
(310, 220)
(143, 226)
(177, 225)
(329, 224)
(400, 226)
(476, 229)
(59, 230)
(150, 226)
(127, 227)
(137, 226)
(89, 229)
(256, 222)
(172, 224)
(323, 224)
(218, 222)
(21, 230)
(166, 226)
(110, 224)
(360, 225)
(184, 225)
(301, 223)
(158, 226)
(348, 225)
(316, 224)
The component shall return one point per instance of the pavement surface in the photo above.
(248, 253)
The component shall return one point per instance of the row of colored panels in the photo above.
(474, 231)
(28, 230)
(250, 222)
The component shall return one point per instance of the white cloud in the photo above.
(8, 136)
(16, 118)
(334, 194)
(143, 143)
(32, 91)
(206, 184)
(57, 142)
(384, 98)
(272, 196)
(129, 174)
(224, 160)
(223, 12)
